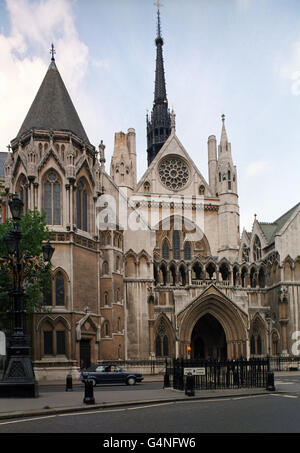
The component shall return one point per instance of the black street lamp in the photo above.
(18, 377)
(270, 373)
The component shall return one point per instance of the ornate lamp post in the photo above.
(18, 377)
(270, 373)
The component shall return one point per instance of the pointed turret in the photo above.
(226, 188)
(159, 125)
(224, 138)
(52, 108)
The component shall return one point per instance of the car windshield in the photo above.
(105, 369)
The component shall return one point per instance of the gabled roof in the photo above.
(52, 108)
(271, 229)
(165, 150)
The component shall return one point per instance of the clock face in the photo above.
(174, 172)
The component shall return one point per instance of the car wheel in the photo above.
(131, 381)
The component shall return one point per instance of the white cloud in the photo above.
(256, 168)
(290, 68)
(243, 4)
(34, 26)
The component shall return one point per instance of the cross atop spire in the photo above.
(53, 52)
(158, 4)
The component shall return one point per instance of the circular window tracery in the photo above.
(174, 173)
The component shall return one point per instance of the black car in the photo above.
(109, 374)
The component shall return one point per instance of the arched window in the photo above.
(105, 267)
(158, 346)
(81, 206)
(59, 289)
(106, 298)
(183, 275)
(235, 276)
(106, 329)
(187, 251)
(211, 269)
(197, 271)
(48, 295)
(259, 349)
(224, 272)
(163, 272)
(256, 249)
(155, 274)
(52, 199)
(252, 345)
(243, 277)
(146, 187)
(176, 245)
(161, 340)
(201, 189)
(253, 279)
(54, 339)
(165, 346)
(262, 278)
(173, 274)
(165, 250)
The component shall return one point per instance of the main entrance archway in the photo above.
(213, 326)
(208, 339)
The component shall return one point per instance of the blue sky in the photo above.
(237, 57)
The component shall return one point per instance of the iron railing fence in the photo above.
(219, 374)
(246, 367)
(284, 363)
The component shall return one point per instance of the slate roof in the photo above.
(53, 108)
(271, 229)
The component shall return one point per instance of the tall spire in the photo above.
(159, 126)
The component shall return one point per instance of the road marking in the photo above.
(28, 419)
(246, 397)
(149, 405)
(204, 400)
(99, 411)
(284, 396)
(285, 383)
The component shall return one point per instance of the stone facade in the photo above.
(145, 269)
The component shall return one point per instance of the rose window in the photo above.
(174, 173)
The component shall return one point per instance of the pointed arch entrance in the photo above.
(208, 339)
(213, 326)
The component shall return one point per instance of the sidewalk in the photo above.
(61, 401)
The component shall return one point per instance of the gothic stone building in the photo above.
(187, 277)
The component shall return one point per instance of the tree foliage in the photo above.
(35, 274)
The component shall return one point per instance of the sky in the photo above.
(240, 58)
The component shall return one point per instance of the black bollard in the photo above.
(69, 383)
(189, 385)
(270, 381)
(166, 379)
(88, 390)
